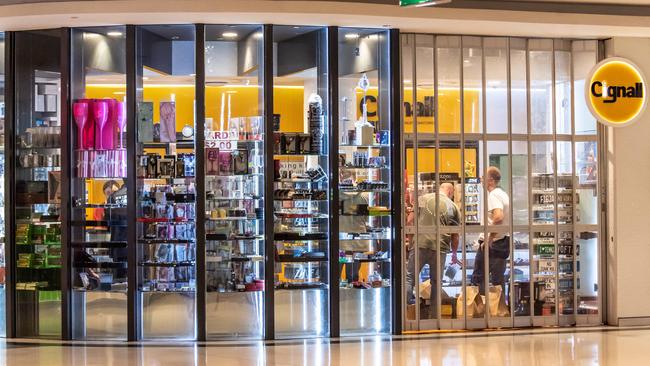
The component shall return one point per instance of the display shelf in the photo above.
(166, 241)
(99, 244)
(224, 237)
(301, 287)
(376, 146)
(102, 265)
(87, 223)
(167, 264)
(287, 258)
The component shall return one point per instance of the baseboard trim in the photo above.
(634, 321)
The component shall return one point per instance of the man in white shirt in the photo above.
(498, 243)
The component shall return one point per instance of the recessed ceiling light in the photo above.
(192, 74)
(229, 35)
(175, 38)
(145, 78)
(114, 34)
(352, 36)
(296, 27)
(258, 35)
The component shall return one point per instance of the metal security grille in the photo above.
(472, 103)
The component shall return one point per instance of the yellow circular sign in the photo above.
(616, 92)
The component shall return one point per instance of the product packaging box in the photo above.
(167, 122)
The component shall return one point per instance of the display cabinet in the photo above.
(364, 181)
(98, 191)
(166, 182)
(235, 173)
(301, 182)
(36, 212)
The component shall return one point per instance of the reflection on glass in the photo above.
(448, 58)
(564, 183)
(98, 231)
(234, 197)
(520, 192)
(496, 86)
(541, 85)
(586, 171)
(563, 87)
(301, 181)
(543, 184)
(519, 88)
(472, 85)
(37, 189)
(587, 258)
(166, 209)
(521, 273)
(365, 220)
(585, 56)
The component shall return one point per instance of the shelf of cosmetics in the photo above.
(38, 245)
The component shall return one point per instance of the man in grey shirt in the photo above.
(448, 215)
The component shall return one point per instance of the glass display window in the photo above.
(301, 182)
(98, 240)
(36, 220)
(234, 160)
(166, 182)
(364, 184)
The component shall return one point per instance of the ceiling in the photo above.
(530, 18)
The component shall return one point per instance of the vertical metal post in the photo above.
(133, 95)
(396, 184)
(269, 245)
(555, 175)
(462, 176)
(486, 232)
(531, 278)
(200, 183)
(66, 177)
(416, 183)
(574, 185)
(333, 121)
(10, 173)
(511, 195)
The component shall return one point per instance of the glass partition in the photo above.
(98, 240)
(301, 182)
(234, 181)
(166, 186)
(37, 185)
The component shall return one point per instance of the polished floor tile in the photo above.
(543, 347)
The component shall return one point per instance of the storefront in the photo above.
(295, 209)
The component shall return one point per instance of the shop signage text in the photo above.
(616, 92)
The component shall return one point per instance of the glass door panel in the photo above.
(540, 56)
(365, 220)
(98, 239)
(37, 186)
(587, 273)
(166, 211)
(543, 183)
(301, 183)
(234, 181)
(586, 182)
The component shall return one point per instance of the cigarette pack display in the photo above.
(303, 144)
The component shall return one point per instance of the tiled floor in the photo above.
(545, 347)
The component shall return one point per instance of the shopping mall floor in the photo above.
(579, 346)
